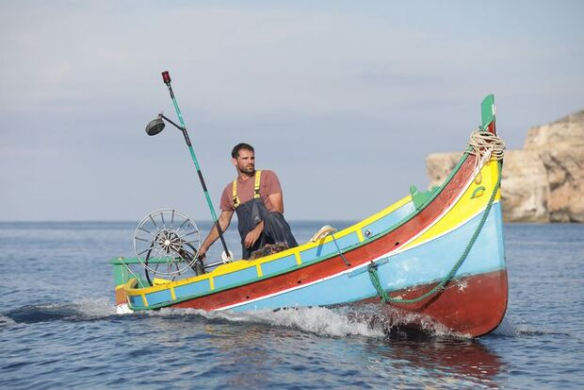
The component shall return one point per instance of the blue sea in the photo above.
(59, 328)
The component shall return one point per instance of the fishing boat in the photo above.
(435, 255)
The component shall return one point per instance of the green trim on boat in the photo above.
(121, 273)
(420, 198)
(135, 260)
(487, 111)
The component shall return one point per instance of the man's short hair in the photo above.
(238, 147)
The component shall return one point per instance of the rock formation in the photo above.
(544, 182)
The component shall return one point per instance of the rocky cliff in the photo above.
(544, 182)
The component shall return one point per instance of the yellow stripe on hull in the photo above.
(470, 203)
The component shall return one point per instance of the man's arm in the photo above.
(224, 221)
(277, 201)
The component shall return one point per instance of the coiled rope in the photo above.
(481, 144)
(483, 141)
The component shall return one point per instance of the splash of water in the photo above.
(373, 321)
(317, 320)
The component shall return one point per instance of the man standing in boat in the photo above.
(256, 197)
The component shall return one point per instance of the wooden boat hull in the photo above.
(412, 245)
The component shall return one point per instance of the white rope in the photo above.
(485, 145)
(483, 142)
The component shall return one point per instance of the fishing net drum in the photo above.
(167, 242)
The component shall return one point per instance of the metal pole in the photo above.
(166, 79)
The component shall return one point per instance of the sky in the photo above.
(343, 100)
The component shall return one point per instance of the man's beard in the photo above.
(247, 170)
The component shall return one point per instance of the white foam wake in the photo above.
(94, 308)
(317, 320)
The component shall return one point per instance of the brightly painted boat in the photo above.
(437, 255)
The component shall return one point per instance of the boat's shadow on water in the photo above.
(70, 312)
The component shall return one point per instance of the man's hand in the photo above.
(252, 236)
(224, 221)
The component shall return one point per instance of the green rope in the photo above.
(385, 298)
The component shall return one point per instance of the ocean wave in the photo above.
(81, 310)
(511, 327)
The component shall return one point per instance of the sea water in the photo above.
(59, 328)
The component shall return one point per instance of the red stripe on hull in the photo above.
(363, 254)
